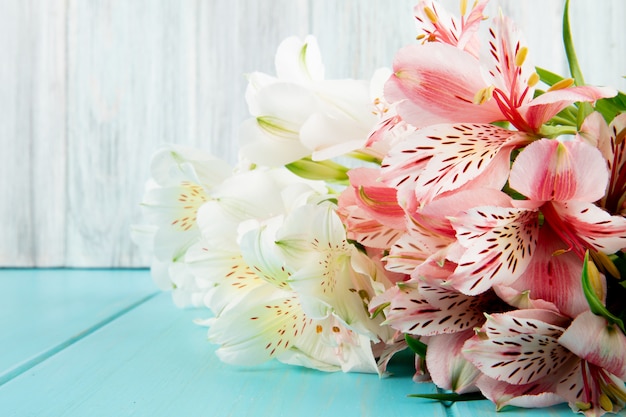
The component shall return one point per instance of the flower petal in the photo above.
(265, 325)
(554, 278)
(499, 243)
(438, 83)
(517, 350)
(547, 105)
(533, 395)
(594, 340)
(447, 366)
(551, 170)
(603, 232)
(299, 61)
(443, 158)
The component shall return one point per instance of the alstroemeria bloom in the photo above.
(446, 317)
(299, 113)
(609, 139)
(450, 157)
(440, 83)
(370, 210)
(310, 309)
(550, 281)
(533, 358)
(564, 178)
(183, 179)
(221, 274)
(438, 25)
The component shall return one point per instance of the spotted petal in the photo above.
(425, 309)
(602, 231)
(443, 158)
(499, 243)
(585, 386)
(518, 350)
(505, 42)
(439, 25)
(265, 325)
(553, 278)
(609, 139)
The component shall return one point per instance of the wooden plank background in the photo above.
(88, 89)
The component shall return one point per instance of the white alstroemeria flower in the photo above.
(182, 181)
(309, 317)
(299, 114)
(241, 202)
(332, 277)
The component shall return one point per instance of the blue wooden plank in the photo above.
(42, 311)
(154, 362)
(486, 408)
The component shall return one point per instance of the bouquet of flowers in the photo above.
(449, 206)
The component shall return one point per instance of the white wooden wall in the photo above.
(89, 88)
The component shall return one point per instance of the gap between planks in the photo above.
(31, 363)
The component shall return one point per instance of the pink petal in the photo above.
(449, 29)
(446, 157)
(583, 383)
(550, 170)
(518, 349)
(435, 215)
(594, 340)
(411, 312)
(499, 244)
(438, 83)
(504, 43)
(547, 105)
(447, 366)
(411, 251)
(554, 278)
(377, 199)
(534, 395)
(595, 226)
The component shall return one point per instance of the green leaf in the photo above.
(611, 107)
(416, 345)
(584, 109)
(595, 304)
(569, 48)
(548, 77)
(454, 397)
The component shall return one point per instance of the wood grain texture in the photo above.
(46, 310)
(89, 89)
(32, 132)
(153, 361)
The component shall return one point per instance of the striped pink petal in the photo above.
(436, 83)
(443, 158)
(551, 170)
(499, 243)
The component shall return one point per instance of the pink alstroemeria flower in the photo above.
(438, 25)
(440, 83)
(370, 211)
(609, 139)
(536, 358)
(451, 157)
(564, 179)
(444, 316)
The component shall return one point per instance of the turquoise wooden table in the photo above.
(107, 343)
